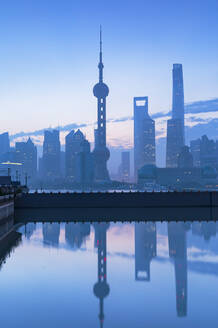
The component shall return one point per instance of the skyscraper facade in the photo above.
(125, 166)
(101, 152)
(72, 148)
(144, 135)
(205, 152)
(4, 143)
(26, 153)
(51, 154)
(175, 126)
(84, 164)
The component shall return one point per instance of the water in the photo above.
(110, 275)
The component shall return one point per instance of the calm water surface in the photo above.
(110, 275)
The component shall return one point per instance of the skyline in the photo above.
(49, 80)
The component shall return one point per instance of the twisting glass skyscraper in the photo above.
(175, 126)
(101, 152)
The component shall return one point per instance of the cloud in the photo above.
(204, 106)
(67, 127)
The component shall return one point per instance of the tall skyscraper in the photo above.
(144, 135)
(124, 169)
(175, 126)
(84, 164)
(101, 152)
(72, 148)
(4, 143)
(51, 154)
(26, 153)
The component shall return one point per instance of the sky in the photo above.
(49, 57)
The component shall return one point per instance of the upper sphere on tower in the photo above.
(101, 90)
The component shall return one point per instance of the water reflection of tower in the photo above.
(145, 249)
(76, 233)
(178, 251)
(101, 288)
(51, 233)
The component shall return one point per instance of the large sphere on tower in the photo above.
(101, 153)
(101, 90)
(101, 290)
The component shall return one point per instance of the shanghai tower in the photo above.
(101, 152)
(175, 126)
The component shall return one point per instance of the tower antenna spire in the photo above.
(100, 39)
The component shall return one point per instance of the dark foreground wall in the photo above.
(118, 206)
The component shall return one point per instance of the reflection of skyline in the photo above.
(178, 251)
(145, 249)
(8, 244)
(146, 244)
(76, 233)
(51, 233)
(101, 288)
(205, 229)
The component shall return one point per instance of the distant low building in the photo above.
(14, 170)
(170, 176)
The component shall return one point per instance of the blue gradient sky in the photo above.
(49, 56)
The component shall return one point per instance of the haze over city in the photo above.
(49, 56)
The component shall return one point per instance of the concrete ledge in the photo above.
(6, 210)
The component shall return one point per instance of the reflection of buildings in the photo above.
(101, 288)
(8, 244)
(75, 233)
(205, 229)
(145, 249)
(51, 232)
(29, 229)
(178, 251)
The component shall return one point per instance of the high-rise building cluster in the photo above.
(192, 166)
(185, 165)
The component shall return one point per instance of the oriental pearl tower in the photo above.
(101, 152)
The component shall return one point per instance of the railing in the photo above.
(6, 198)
